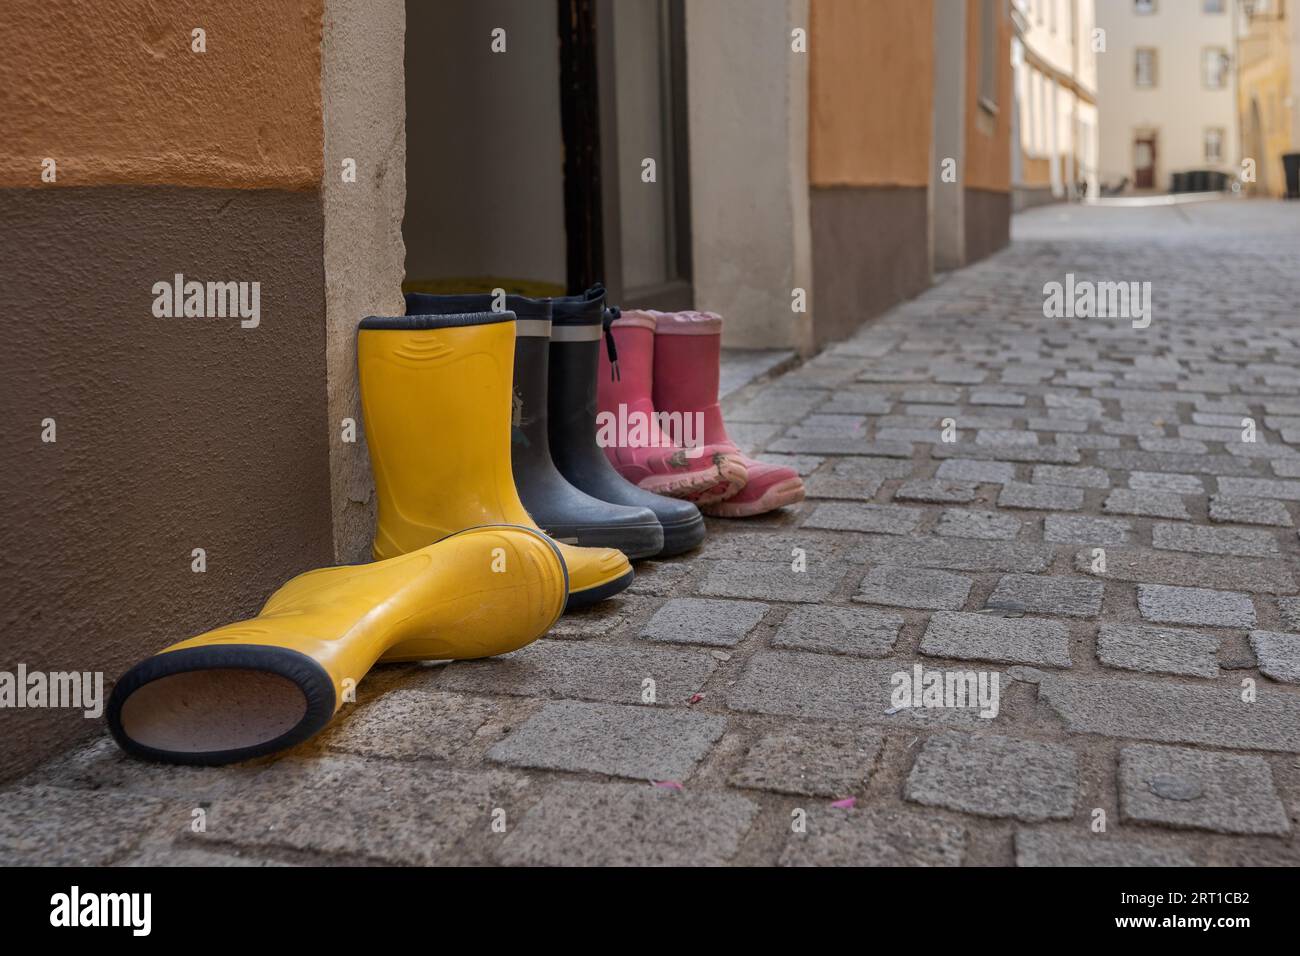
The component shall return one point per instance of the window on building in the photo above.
(1214, 144)
(1214, 68)
(1144, 7)
(1144, 67)
(989, 14)
(1212, 6)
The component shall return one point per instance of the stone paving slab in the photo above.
(936, 491)
(1086, 529)
(1237, 510)
(1078, 476)
(1278, 654)
(1238, 542)
(56, 826)
(1260, 488)
(753, 580)
(864, 838)
(1047, 594)
(828, 688)
(1173, 605)
(994, 776)
(1170, 483)
(1176, 569)
(882, 519)
(628, 825)
(1158, 650)
(914, 587)
(642, 742)
(992, 638)
(1146, 504)
(1174, 713)
(1049, 454)
(851, 489)
(697, 621)
(102, 766)
(981, 525)
(977, 471)
(832, 764)
(1040, 497)
(602, 672)
(951, 554)
(1178, 787)
(1289, 610)
(366, 809)
(1129, 460)
(435, 725)
(1045, 848)
(772, 546)
(862, 632)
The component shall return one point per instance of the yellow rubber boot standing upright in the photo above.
(267, 683)
(437, 399)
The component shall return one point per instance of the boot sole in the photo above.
(789, 492)
(637, 541)
(683, 536)
(597, 593)
(700, 487)
(733, 477)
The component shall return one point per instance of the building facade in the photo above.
(165, 469)
(1268, 89)
(797, 165)
(890, 161)
(1166, 91)
(1055, 143)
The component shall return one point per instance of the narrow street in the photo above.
(1100, 546)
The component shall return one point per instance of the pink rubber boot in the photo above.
(687, 366)
(630, 431)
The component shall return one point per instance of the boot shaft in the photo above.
(528, 432)
(577, 330)
(688, 368)
(629, 381)
(436, 397)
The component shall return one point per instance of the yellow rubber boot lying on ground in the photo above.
(270, 682)
(436, 393)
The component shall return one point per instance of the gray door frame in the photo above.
(677, 293)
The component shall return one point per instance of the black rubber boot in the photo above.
(564, 512)
(578, 324)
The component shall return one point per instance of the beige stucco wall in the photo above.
(749, 179)
(870, 88)
(112, 92)
(363, 95)
(1054, 64)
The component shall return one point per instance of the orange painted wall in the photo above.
(988, 136)
(870, 86)
(112, 92)
(1035, 171)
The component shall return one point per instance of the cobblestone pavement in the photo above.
(1121, 690)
